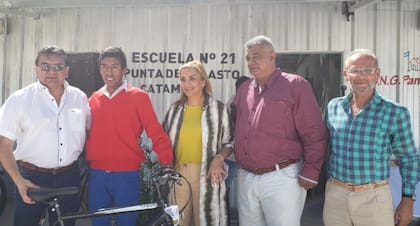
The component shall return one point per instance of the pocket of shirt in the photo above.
(76, 120)
(275, 116)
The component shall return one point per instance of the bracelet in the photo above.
(219, 156)
(413, 197)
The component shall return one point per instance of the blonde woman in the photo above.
(200, 133)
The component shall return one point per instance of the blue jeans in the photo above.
(30, 214)
(233, 170)
(110, 189)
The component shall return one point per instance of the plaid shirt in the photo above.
(361, 146)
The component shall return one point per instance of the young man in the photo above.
(365, 130)
(48, 120)
(120, 113)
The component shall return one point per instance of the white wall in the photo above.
(389, 28)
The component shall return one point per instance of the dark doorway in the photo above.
(323, 71)
(84, 72)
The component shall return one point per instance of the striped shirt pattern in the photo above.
(361, 146)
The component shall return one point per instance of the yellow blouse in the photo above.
(188, 148)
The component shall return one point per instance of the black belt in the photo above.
(56, 170)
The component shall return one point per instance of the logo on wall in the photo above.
(413, 64)
(411, 77)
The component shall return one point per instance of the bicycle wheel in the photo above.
(3, 194)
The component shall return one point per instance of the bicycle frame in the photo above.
(100, 212)
(168, 215)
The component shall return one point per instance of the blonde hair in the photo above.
(199, 67)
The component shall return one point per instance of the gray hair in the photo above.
(259, 40)
(366, 52)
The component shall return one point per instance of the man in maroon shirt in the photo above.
(280, 140)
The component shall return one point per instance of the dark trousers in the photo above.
(30, 214)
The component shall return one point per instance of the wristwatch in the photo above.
(413, 196)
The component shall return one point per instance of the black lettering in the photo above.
(220, 74)
(152, 55)
(175, 88)
(176, 73)
(159, 74)
(162, 57)
(134, 73)
(180, 60)
(204, 57)
(235, 74)
(144, 57)
(232, 56)
(161, 88)
(151, 89)
(143, 73)
(224, 57)
(135, 57)
(165, 89)
(211, 74)
(190, 57)
(158, 86)
(172, 58)
(150, 72)
(169, 73)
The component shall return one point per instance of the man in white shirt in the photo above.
(47, 119)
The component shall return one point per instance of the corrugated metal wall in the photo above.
(390, 28)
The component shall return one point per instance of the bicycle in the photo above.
(168, 215)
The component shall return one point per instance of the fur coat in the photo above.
(216, 134)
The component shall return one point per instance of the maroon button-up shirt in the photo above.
(281, 122)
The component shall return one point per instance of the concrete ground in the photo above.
(312, 214)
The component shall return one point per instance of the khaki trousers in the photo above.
(181, 194)
(371, 207)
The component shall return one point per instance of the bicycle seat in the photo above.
(44, 193)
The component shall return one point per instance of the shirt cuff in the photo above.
(307, 179)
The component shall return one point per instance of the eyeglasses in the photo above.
(54, 67)
(365, 71)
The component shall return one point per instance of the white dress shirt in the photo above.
(47, 135)
(123, 86)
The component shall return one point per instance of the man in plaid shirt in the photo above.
(365, 130)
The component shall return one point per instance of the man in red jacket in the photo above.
(120, 113)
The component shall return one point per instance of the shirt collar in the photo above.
(124, 86)
(270, 80)
(376, 99)
(41, 86)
